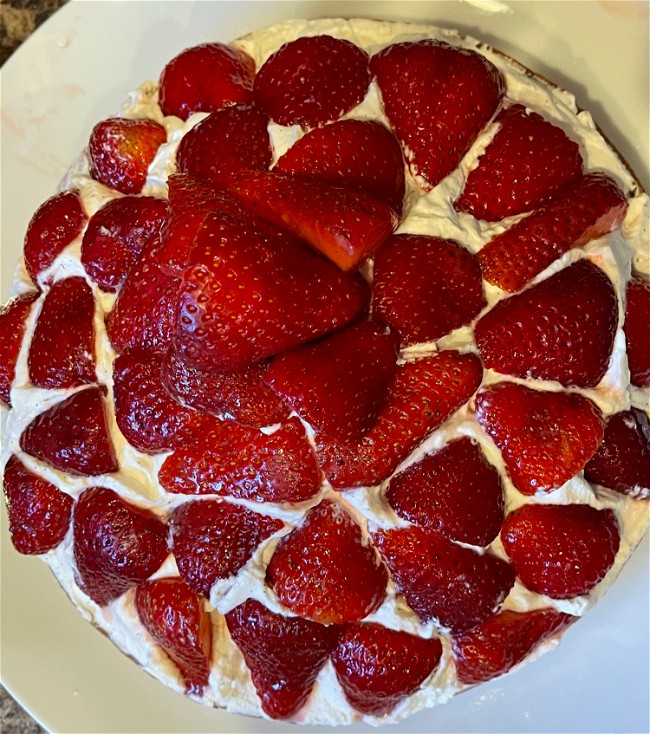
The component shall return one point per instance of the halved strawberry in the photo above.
(503, 641)
(637, 332)
(213, 540)
(541, 333)
(117, 545)
(588, 208)
(56, 223)
(13, 318)
(312, 80)
(442, 580)
(345, 225)
(622, 462)
(424, 394)
(73, 436)
(561, 550)
(178, 621)
(437, 99)
(121, 151)
(454, 491)
(206, 78)
(325, 571)
(116, 236)
(338, 384)
(360, 154)
(378, 667)
(62, 350)
(230, 459)
(545, 438)
(39, 513)
(527, 162)
(425, 287)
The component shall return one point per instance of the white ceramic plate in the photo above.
(75, 70)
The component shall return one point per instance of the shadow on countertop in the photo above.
(20, 18)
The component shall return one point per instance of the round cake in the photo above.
(325, 386)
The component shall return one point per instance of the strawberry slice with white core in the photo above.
(13, 318)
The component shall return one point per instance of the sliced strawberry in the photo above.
(561, 550)
(178, 621)
(378, 667)
(39, 513)
(213, 540)
(437, 99)
(230, 459)
(503, 641)
(62, 351)
(588, 208)
(528, 161)
(13, 318)
(545, 438)
(312, 80)
(424, 394)
(121, 151)
(56, 223)
(360, 154)
(325, 571)
(116, 236)
(117, 545)
(444, 581)
(346, 226)
(206, 78)
(72, 435)
(250, 293)
(541, 333)
(622, 462)
(284, 654)
(637, 333)
(454, 491)
(339, 384)
(425, 287)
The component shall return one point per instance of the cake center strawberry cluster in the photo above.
(324, 397)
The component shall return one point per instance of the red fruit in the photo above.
(545, 438)
(325, 571)
(561, 550)
(444, 581)
(637, 332)
(424, 394)
(179, 623)
(231, 459)
(204, 153)
(73, 436)
(213, 540)
(312, 80)
(121, 151)
(116, 236)
(39, 513)
(346, 226)
(454, 491)
(541, 333)
(62, 351)
(339, 384)
(250, 293)
(437, 99)
(622, 462)
(425, 287)
(56, 223)
(117, 545)
(360, 154)
(378, 667)
(528, 161)
(588, 208)
(503, 641)
(205, 78)
(13, 318)
(284, 654)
